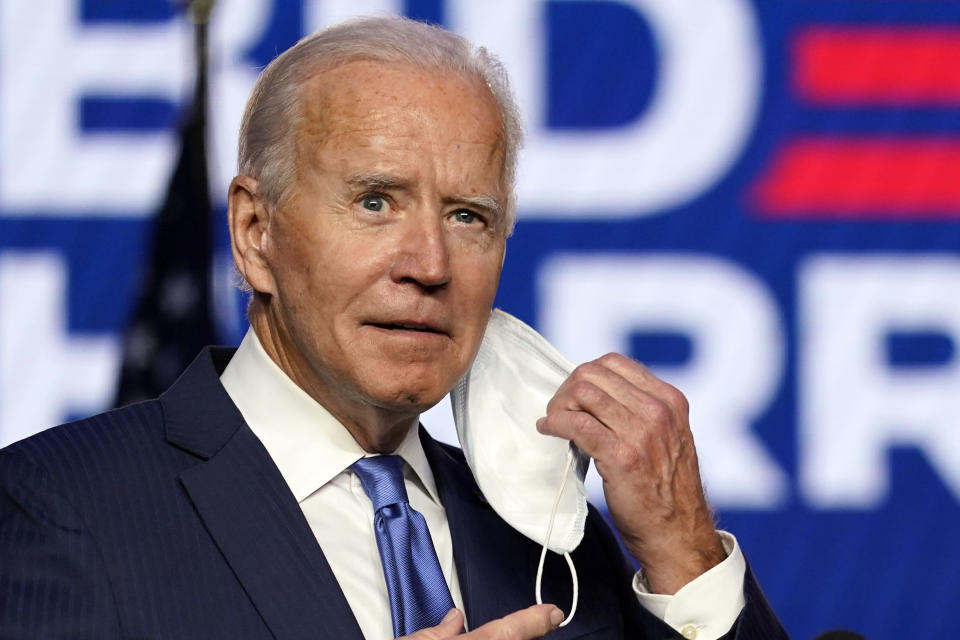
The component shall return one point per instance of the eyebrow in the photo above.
(377, 181)
(385, 182)
(481, 201)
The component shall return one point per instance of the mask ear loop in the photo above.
(566, 555)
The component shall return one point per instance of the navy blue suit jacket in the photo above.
(168, 519)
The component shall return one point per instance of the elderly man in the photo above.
(369, 220)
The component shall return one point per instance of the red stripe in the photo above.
(886, 65)
(895, 179)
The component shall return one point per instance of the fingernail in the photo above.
(452, 614)
(556, 617)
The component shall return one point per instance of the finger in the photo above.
(532, 622)
(449, 627)
(584, 429)
(580, 394)
(581, 388)
(621, 413)
(628, 392)
(641, 377)
(642, 393)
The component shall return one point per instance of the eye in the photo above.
(465, 216)
(374, 203)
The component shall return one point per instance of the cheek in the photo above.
(488, 273)
(480, 277)
(307, 264)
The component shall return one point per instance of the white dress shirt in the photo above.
(313, 452)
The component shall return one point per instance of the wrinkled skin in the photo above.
(636, 428)
(375, 278)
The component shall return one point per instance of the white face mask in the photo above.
(533, 481)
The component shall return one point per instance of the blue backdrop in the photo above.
(759, 199)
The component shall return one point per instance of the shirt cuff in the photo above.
(706, 607)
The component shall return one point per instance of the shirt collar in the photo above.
(308, 445)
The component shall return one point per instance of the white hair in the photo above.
(267, 148)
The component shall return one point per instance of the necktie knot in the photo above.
(382, 480)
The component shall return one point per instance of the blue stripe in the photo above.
(661, 348)
(126, 11)
(919, 348)
(133, 113)
(431, 11)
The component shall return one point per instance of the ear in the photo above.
(249, 218)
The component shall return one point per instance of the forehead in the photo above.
(371, 98)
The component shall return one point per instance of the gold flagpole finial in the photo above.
(199, 10)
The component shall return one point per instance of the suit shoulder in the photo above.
(95, 439)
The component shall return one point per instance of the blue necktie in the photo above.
(419, 596)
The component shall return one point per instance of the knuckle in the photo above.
(582, 421)
(585, 392)
(624, 364)
(627, 457)
(585, 370)
(505, 630)
(552, 404)
(658, 410)
(614, 359)
(676, 398)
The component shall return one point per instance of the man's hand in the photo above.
(636, 428)
(525, 624)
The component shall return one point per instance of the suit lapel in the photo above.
(497, 566)
(250, 512)
(492, 563)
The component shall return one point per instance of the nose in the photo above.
(423, 256)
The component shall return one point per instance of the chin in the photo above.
(408, 387)
(406, 397)
(419, 399)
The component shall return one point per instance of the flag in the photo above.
(173, 317)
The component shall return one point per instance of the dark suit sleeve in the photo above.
(757, 621)
(53, 582)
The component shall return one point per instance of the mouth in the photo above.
(418, 327)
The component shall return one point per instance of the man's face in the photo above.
(387, 254)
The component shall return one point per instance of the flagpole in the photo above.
(199, 12)
(173, 319)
